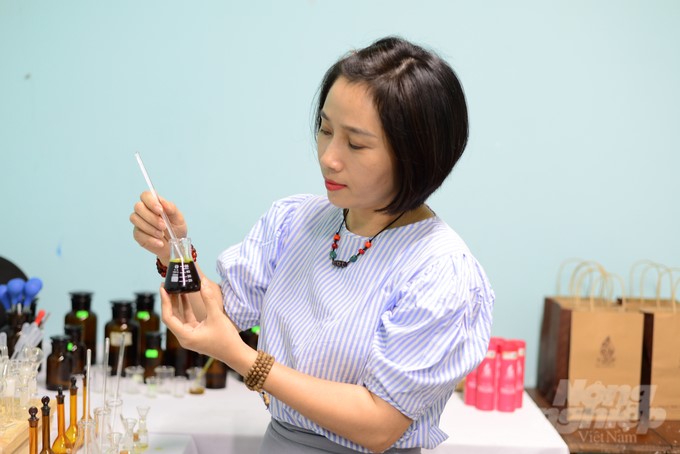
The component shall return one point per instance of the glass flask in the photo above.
(152, 356)
(33, 431)
(72, 430)
(85, 416)
(61, 444)
(59, 364)
(77, 348)
(127, 441)
(102, 425)
(113, 443)
(142, 438)
(122, 328)
(81, 314)
(46, 449)
(87, 440)
(182, 275)
(146, 317)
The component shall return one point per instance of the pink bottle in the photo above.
(507, 379)
(486, 379)
(470, 390)
(519, 385)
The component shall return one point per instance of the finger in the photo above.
(175, 217)
(169, 314)
(148, 216)
(212, 297)
(146, 232)
(188, 311)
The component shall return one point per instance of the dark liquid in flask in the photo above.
(182, 278)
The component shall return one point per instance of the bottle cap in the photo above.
(144, 301)
(75, 332)
(153, 339)
(60, 340)
(81, 301)
(121, 308)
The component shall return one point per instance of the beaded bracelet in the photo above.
(163, 270)
(258, 373)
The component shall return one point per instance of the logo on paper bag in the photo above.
(607, 356)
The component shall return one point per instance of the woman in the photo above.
(371, 308)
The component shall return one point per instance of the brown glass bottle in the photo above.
(77, 348)
(122, 327)
(61, 444)
(146, 317)
(59, 364)
(32, 431)
(46, 445)
(82, 314)
(153, 354)
(175, 355)
(251, 338)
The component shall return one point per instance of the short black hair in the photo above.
(422, 109)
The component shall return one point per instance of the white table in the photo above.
(233, 420)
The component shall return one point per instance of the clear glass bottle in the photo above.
(61, 444)
(142, 437)
(147, 318)
(182, 275)
(59, 364)
(122, 328)
(77, 348)
(87, 439)
(46, 445)
(127, 442)
(153, 353)
(82, 314)
(72, 430)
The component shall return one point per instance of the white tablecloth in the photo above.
(233, 420)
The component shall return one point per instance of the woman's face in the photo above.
(356, 162)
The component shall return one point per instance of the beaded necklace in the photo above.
(361, 251)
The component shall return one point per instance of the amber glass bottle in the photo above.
(32, 431)
(77, 348)
(122, 327)
(153, 354)
(46, 445)
(59, 364)
(146, 317)
(72, 430)
(82, 314)
(61, 444)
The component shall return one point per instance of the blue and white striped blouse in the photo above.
(408, 320)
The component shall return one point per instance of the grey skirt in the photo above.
(284, 438)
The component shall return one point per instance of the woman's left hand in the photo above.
(214, 335)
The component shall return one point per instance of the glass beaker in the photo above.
(134, 379)
(164, 375)
(182, 275)
(196, 380)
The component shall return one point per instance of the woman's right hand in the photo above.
(150, 230)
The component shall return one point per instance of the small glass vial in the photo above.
(122, 328)
(77, 348)
(81, 314)
(182, 275)
(153, 354)
(146, 317)
(59, 364)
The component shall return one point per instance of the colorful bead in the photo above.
(333, 255)
(337, 237)
(353, 258)
(361, 251)
(367, 244)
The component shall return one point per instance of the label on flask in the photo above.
(116, 337)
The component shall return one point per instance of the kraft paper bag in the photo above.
(605, 363)
(590, 354)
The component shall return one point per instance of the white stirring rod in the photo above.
(163, 215)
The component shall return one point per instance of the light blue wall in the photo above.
(574, 146)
